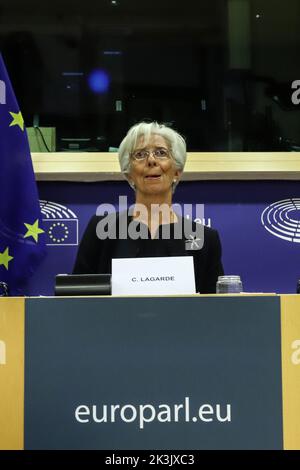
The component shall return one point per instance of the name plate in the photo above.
(153, 276)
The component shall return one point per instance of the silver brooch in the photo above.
(193, 243)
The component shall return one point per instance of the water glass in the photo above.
(229, 285)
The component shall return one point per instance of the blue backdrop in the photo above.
(265, 262)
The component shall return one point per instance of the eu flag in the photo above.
(22, 238)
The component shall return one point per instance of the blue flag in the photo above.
(22, 238)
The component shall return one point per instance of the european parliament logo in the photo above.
(282, 219)
(60, 224)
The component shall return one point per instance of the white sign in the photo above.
(153, 276)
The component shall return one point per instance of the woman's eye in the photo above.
(139, 155)
(161, 152)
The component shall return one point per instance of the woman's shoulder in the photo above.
(197, 226)
(98, 222)
(113, 216)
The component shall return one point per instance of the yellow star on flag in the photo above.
(5, 258)
(17, 120)
(33, 230)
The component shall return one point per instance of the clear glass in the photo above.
(229, 285)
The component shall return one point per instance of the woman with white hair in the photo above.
(152, 158)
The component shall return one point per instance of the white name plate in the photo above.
(153, 276)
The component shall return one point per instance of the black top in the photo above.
(95, 255)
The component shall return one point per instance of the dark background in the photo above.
(219, 72)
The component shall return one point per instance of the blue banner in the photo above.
(22, 238)
(255, 245)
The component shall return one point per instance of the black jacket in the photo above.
(95, 255)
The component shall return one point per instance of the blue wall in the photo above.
(265, 262)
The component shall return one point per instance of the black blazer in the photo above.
(95, 255)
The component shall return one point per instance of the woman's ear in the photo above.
(130, 182)
(177, 175)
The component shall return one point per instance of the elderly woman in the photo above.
(152, 157)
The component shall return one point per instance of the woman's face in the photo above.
(153, 175)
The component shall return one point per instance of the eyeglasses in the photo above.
(159, 153)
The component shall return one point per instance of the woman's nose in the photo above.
(151, 160)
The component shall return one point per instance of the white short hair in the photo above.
(175, 140)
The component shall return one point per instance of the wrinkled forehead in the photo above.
(151, 140)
